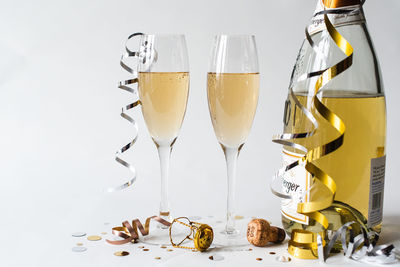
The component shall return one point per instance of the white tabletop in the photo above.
(60, 126)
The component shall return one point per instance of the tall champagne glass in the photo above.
(232, 88)
(163, 91)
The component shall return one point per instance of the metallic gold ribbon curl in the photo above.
(129, 232)
(297, 246)
(126, 86)
(312, 208)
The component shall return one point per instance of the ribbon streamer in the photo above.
(129, 232)
(306, 244)
(369, 253)
(126, 86)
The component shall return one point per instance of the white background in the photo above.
(60, 123)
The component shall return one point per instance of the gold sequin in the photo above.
(121, 253)
(94, 238)
(259, 259)
(157, 258)
(79, 244)
(170, 249)
(145, 249)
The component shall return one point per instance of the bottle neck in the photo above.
(340, 12)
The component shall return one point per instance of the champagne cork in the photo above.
(260, 233)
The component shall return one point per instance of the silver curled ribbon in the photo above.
(126, 85)
(306, 244)
(368, 253)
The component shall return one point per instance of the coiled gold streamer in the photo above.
(306, 244)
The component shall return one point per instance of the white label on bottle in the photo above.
(377, 182)
(340, 19)
(296, 182)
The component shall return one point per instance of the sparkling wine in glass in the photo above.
(232, 88)
(163, 93)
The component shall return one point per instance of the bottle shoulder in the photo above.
(363, 75)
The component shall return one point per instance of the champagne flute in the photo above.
(232, 89)
(163, 92)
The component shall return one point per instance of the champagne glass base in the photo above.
(232, 240)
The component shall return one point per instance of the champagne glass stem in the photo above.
(231, 155)
(164, 153)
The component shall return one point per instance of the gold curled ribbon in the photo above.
(312, 208)
(129, 232)
(307, 244)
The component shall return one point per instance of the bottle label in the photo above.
(376, 187)
(339, 17)
(296, 183)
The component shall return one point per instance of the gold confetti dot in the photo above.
(272, 253)
(103, 233)
(259, 259)
(145, 249)
(250, 249)
(94, 238)
(170, 249)
(163, 247)
(283, 259)
(140, 246)
(211, 258)
(121, 253)
(238, 217)
(79, 244)
(158, 258)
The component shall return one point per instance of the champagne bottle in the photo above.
(357, 97)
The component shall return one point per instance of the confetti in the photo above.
(94, 238)
(272, 253)
(250, 249)
(238, 217)
(121, 253)
(78, 234)
(283, 259)
(157, 258)
(259, 259)
(103, 233)
(79, 244)
(79, 249)
(145, 249)
(216, 257)
(170, 249)
(163, 246)
(140, 246)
